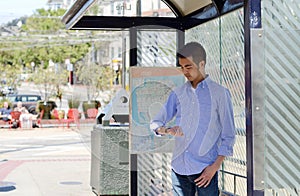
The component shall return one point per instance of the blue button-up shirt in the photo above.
(5, 112)
(205, 115)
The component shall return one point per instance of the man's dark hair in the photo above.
(194, 50)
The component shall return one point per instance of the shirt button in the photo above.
(186, 151)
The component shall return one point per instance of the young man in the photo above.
(204, 131)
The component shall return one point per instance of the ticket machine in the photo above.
(117, 111)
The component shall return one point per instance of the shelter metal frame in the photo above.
(75, 20)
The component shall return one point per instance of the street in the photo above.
(69, 92)
(45, 161)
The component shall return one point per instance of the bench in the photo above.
(4, 124)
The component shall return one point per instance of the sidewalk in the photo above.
(45, 162)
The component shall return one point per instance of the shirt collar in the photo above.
(203, 83)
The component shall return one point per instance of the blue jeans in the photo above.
(185, 186)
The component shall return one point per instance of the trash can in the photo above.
(109, 160)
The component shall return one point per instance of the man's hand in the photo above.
(204, 179)
(208, 173)
(175, 131)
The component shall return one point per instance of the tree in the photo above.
(43, 37)
(44, 22)
(10, 75)
(96, 78)
(48, 81)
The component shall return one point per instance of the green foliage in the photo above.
(95, 77)
(44, 38)
(48, 81)
(10, 74)
(47, 106)
(89, 104)
(74, 102)
(5, 100)
(44, 21)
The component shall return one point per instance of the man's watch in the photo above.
(164, 131)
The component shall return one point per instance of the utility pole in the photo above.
(123, 72)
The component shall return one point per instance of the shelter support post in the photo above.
(248, 97)
(133, 47)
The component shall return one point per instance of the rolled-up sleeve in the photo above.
(228, 127)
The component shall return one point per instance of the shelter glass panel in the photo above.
(151, 8)
(281, 38)
(223, 40)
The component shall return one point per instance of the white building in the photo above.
(59, 4)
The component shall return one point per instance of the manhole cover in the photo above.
(7, 186)
(70, 183)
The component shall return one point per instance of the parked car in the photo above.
(29, 101)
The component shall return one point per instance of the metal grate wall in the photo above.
(154, 175)
(156, 48)
(223, 40)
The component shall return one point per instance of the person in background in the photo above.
(25, 115)
(20, 108)
(5, 112)
(204, 131)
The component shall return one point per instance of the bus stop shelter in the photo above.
(254, 49)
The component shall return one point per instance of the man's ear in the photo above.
(201, 64)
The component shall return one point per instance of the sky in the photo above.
(12, 9)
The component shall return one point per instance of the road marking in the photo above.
(7, 167)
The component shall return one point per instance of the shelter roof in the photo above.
(186, 14)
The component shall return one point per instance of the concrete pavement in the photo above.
(45, 162)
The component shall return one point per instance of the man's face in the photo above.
(189, 68)
(19, 104)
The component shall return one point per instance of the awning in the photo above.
(188, 13)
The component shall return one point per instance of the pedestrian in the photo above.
(204, 131)
(21, 108)
(25, 116)
(5, 112)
